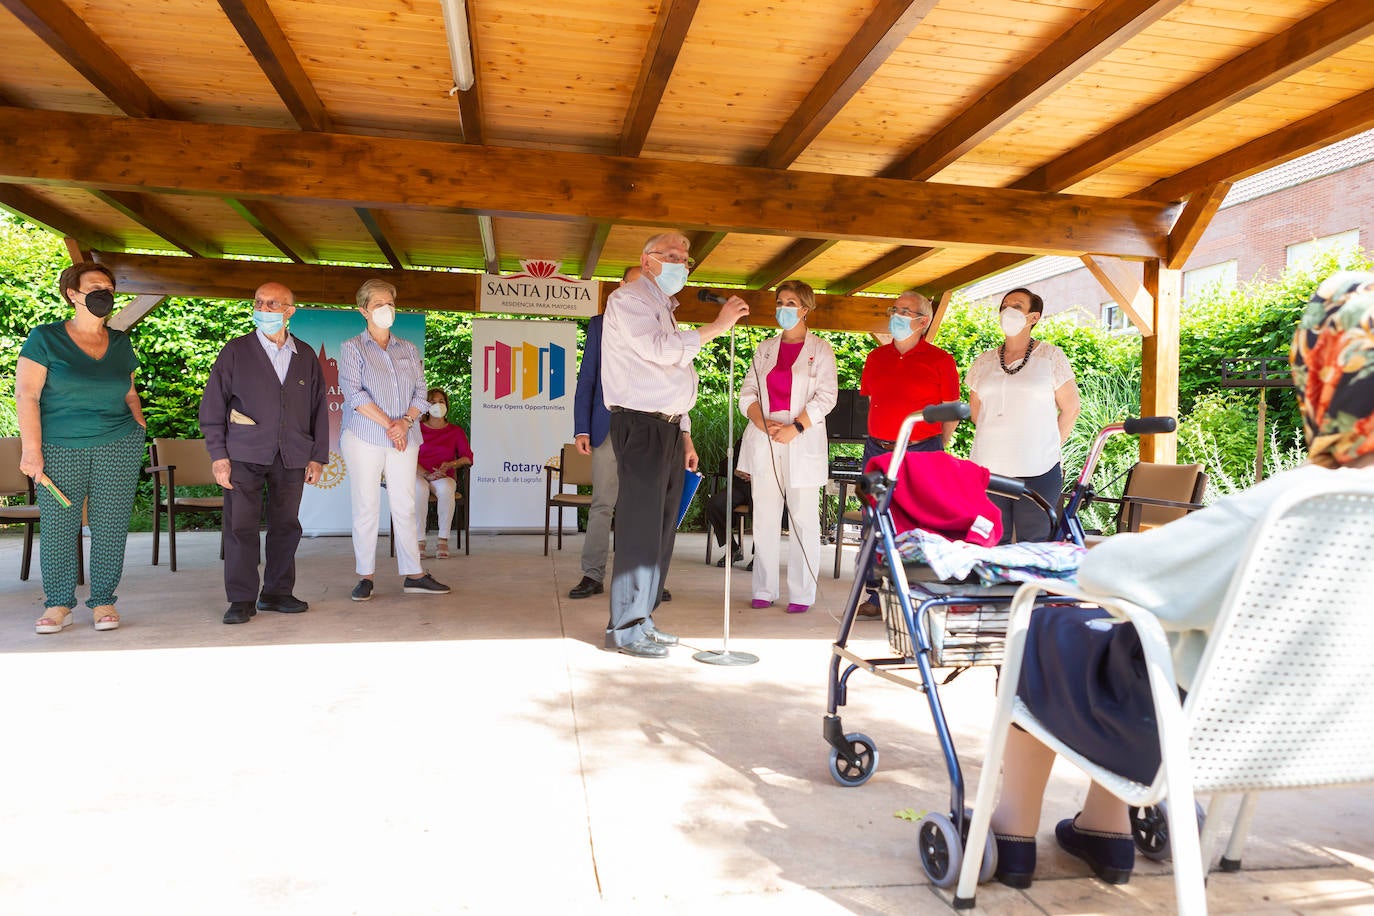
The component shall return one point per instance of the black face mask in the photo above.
(99, 302)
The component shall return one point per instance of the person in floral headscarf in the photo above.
(1084, 679)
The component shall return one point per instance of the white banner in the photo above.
(326, 507)
(538, 289)
(524, 374)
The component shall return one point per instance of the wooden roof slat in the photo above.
(67, 34)
(206, 159)
(670, 31)
(984, 267)
(1337, 26)
(701, 244)
(894, 262)
(155, 219)
(1102, 31)
(266, 41)
(263, 218)
(882, 32)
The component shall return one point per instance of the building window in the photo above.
(1113, 318)
(1342, 243)
(1214, 278)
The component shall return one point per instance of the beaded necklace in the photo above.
(1002, 358)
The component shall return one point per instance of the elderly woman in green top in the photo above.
(81, 429)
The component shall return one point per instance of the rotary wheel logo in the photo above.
(333, 473)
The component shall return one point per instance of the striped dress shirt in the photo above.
(392, 378)
(280, 356)
(646, 362)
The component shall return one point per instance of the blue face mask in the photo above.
(269, 322)
(787, 317)
(900, 326)
(671, 278)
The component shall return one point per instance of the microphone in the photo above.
(705, 295)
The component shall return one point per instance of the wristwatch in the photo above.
(798, 425)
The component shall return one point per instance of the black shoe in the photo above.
(1110, 855)
(587, 587)
(734, 558)
(282, 604)
(239, 612)
(1015, 860)
(654, 634)
(424, 585)
(362, 591)
(666, 596)
(643, 648)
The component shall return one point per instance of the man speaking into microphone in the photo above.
(650, 385)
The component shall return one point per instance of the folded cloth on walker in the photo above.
(241, 419)
(954, 560)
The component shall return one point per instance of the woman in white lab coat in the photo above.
(790, 386)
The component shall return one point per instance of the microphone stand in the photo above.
(723, 656)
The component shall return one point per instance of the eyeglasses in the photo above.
(272, 304)
(905, 313)
(670, 258)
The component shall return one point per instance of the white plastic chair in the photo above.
(1282, 697)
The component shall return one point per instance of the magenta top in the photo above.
(439, 445)
(780, 377)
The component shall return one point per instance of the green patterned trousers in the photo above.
(105, 477)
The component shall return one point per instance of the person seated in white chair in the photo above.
(1086, 681)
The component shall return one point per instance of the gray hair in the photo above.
(371, 288)
(918, 296)
(662, 238)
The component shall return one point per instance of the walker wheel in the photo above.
(942, 851)
(1150, 830)
(854, 773)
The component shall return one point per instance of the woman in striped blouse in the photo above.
(383, 381)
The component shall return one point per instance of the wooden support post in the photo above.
(1159, 360)
(135, 311)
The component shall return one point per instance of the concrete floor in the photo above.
(481, 753)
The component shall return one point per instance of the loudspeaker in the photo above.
(848, 421)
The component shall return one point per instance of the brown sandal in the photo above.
(54, 620)
(106, 617)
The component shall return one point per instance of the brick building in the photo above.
(1268, 221)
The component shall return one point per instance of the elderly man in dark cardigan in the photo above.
(265, 419)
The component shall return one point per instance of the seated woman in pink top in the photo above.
(789, 389)
(443, 450)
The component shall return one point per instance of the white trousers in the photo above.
(366, 465)
(445, 493)
(804, 521)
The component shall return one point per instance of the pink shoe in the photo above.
(798, 608)
(761, 603)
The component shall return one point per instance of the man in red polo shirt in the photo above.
(901, 377)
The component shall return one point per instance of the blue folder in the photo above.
(691, 481)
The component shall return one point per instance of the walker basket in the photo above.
(961, 635)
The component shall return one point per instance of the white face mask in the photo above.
(671, 278)
(384, 316)
(1012, 321)
(438, 409)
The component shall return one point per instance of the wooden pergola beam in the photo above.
(265, 220)
(1337, 26)
(1346, 119)
(67, 34)
(884, 29)
(491, 259)
(1193, 222)
(596, 243)
(166, 226)
(266, 41)
(25, 204)
(876, 271)
(251, 162)
(788, 262)
(1093, 37)
(134, 312)
(660, 57)
(373, 221)
(972, 273)
(1126, 289)
(435, 290)
(1159, 360)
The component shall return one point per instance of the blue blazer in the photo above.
(590, 415)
